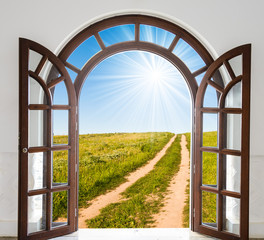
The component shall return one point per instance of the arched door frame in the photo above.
(180, 33)
(167, 53)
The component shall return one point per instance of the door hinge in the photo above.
(194, 212)
(76, 167)
(75, 212)
(194, 169)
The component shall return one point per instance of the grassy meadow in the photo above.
(104, 161)
(144, 197)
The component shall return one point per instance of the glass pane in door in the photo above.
(60, 168)
(231, 213)
(221, 77)
(59, 208)
(37, 169)
(36, 213)
(49, 72)
(60, 127)
(209, 209)
(236, 64)
(232, 173)
(233, 131)
(209, 169)
(34, 59)
(210, 126)
(60, 94)
(37, 132)
(36, 93)
(210, 97)
(234, 97)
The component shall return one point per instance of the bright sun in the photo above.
(155, 76)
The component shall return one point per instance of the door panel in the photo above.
(47, 200)
(222, 156)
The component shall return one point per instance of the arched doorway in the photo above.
(227, 114)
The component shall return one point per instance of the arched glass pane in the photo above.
(117, 34)
(34, 59)
(49, 71)
(221, 77)
(156, 35)
(236, 65)
(84, 52)
(210, 97)
(36, 93)
(188, 55)
(234, 97)
(60, 95)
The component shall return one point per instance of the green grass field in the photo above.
(209, 177)
(104, 161)
(144, 197)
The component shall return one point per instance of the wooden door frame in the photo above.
(136, 19)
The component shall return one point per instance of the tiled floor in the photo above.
(134, 234)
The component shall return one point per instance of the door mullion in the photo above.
(49, 171)
(198, 171)
(220, 170)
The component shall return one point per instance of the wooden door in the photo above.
(221, 185)
(47, 206)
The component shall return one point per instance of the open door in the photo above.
(221, 207)
(41, 195)
(48, 205)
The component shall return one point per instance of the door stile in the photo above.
(198, 142)
(245, 145)
(23, 139)
(72, 169)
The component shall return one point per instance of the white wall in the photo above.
(223, 26)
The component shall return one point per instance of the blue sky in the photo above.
(133, 91)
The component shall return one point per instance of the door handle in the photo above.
(24, 150)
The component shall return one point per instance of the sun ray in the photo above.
(135, 91)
